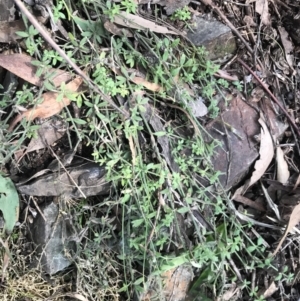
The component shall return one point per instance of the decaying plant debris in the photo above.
(145, 170)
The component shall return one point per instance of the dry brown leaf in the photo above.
(133, 21)
(288, 46)
(150, 86)
(49, 132)
(21, 65)
(266, 152)
(116, 30)
(248, 20)
(262, 8)
(241, 199)
(140, 81)
(49, 107)
(176, 283)
(257, 94)
(283, 173)
(294, 220)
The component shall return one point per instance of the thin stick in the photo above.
(48, 38)
(272, 97)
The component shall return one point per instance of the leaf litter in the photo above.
(263, 165)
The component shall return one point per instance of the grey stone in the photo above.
(49, 235)
(214, 36)
(7, 10)
(197, 107)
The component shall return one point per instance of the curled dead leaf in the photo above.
(248, 20)
(266, 152)
(114, 29)
(241, 199)
(257, 94)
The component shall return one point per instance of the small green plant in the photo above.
(57, 11)
(112, 10)
(130, 6)
(32, 43)
(238, 85)
(182, 14)
(51, 57)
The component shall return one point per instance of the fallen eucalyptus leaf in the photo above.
(288, 46)
(22, 66)
(137, 22)
(266, 152)
(9, 203)
(283, 173)
(294, 220)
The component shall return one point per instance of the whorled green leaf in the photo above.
(9, 203)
